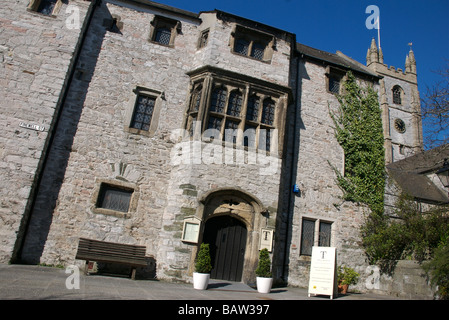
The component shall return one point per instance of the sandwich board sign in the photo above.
(323, 272)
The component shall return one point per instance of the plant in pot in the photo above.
(202, 268)
(263, 272)
(346, 276)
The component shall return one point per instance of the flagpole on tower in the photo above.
(378, 30)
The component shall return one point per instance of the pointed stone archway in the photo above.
(228, 215)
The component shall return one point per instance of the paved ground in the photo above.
(22, 282)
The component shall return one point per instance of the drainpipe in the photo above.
(290, 207)
(17, 251)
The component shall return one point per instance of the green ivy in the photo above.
(359, 131)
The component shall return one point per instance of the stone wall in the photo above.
(409, 281)
(93, 143)
(36, 53)
(319, 197)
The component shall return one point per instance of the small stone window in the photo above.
(307, 237)
(45, 7)
(204, 37)
(311, 227)
(143, 111)
(252, 43)
(163, 30)
(334, 79)
(114, 198)
(397, 95)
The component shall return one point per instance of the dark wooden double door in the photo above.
(227, 241)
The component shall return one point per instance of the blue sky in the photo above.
(332, 25)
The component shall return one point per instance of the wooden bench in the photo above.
(101, 251)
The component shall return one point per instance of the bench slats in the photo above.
(102, 251)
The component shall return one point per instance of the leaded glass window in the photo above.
(268, 112)
(324, 239)
(257, 51)
(307, 237)
(163, 36)
(235, 104)
(252, 112)
(218, 101)
(214, 123)
(265, 139)
(114, 198)
(334, 84)
(249, 136)
(242, 46)
(231, 131)
(143, 112)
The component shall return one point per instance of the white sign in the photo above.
(266, 239)
(323, 272)
(31, 126)
(191, 229)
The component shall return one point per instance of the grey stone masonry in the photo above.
(139, 123)
(36, 53)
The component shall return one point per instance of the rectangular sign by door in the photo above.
(323, 272)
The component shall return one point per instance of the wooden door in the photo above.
(227, 240)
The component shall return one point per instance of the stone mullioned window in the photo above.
(164, 30)
(236, 110)
(252, 44)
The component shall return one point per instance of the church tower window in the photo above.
(397, 95)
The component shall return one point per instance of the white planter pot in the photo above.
(200, 280)
(264, 284)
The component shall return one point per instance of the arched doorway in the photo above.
(227, 241)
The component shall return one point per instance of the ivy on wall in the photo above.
(359, 131)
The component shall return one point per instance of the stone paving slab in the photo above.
(24, 282)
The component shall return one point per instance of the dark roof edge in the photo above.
(257, 23)
(164, 7)
(338, 59)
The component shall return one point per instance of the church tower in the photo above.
(400, 103)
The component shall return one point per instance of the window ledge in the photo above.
(109, 212)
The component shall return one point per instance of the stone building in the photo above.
(135, 122)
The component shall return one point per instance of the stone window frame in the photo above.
(163, 22)
(397, 95)
(253, 37)
(202, 87)
(316, 234)
(334, 75)
(33, 6)
(118, 184)
(159, 97)
(203, 38)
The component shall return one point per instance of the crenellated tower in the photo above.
(400, 103)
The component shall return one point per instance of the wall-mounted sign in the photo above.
(191, 229)
(31, 126)
(323, 272)
(266, 239)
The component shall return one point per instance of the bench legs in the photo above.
(86, 268)
(133, 273)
